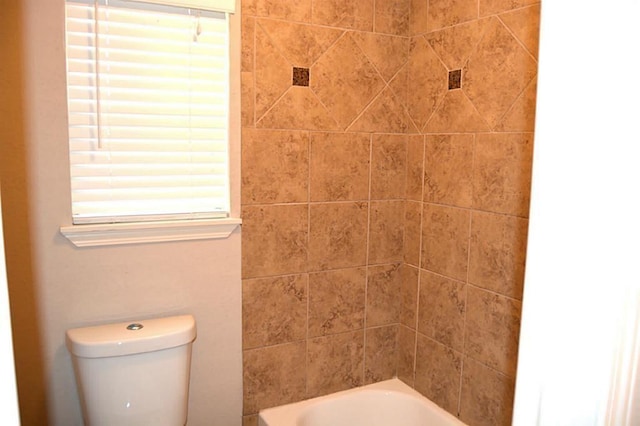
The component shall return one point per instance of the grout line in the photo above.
(366, 282)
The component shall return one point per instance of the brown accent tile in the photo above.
(438, 371)
(353, 14)
(298, 108)
(274, 310)
(272, 73)
(492, 330)
(335, 363)
(409, 296)
(392, 17)
(386, 230)
(337, 235)
(380, 353)
(299, 10)
(274, 240)
(406, 354)
(250, 420)
(446, 13)
(275, 166)
(412, 233)
(339, 166)
(388, 166)
(442, 309)
(491, 7)
(486, 398)
(445, 239)
(300, 77)
(336, 301)
(455, 79)
(456, 114)
(301, 44)
(247, 97)
(273, 376)
(418, 20)
(387, 53)
(497, 253)
(525, 24)
(247, 37)
(427, 81)
(502, 173)
(383, 294)
(386, 114)
(448, 169)
(522, 115)
(491, 89)
(454, 45)
(415, 167)
(345, 81)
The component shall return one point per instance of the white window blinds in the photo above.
(148, 96)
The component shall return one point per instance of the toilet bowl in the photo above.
(134, 373)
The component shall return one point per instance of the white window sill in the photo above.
(149, 232)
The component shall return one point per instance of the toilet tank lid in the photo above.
(131, 337)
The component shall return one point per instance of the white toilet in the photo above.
(134, 373)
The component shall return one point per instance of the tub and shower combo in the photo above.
(387, 403)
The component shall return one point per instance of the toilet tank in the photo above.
(134, 373)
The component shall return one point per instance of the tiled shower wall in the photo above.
(386, 155)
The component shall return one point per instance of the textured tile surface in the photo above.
(383, 294)
(445, 239)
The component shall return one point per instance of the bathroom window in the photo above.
(148, 88)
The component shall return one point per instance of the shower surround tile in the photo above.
(445, 13)
(449, 169)
(383, 294)
(352, 14)
(445, 239)
(388, 166)
(380, 353)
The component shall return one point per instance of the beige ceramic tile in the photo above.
(418, 20)
(445, 240)
(380, 353)
(387, 53)
(445, 13)
(427, 81)
(336, 301)
(386, 231)
(442, 309)
(272, 73)
(247, 114)
(295, 10)
(398, 86)
(521, 117)
(525, 24)
(486, 398)
(490, 7)
(406, 354)
(354, 14)
(337, 235)
(492, 330)
(339, 166)
(497, 253)
(298, 108)
(392, 17)
(273, 376)
(412, 233)
(415, 166)
(388, 166)
(456, 114)
(502, 173)
(274, 310)
(335, 363)
(448, 169)
(493, 89)
(383, 294)
(248, 36)
(250, 420)
(438, 370)
(409, 296)
(455, 44)
(274, 240)
(345, 80)
(275, 166)
(386, 114)
(301, 44)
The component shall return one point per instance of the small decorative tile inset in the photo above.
(455, 79)
(300, 76)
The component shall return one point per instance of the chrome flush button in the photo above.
(134, 326)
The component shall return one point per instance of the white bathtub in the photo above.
(387, 403)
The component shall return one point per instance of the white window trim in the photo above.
(181, 230)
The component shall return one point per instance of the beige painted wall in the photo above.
(55, 286)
